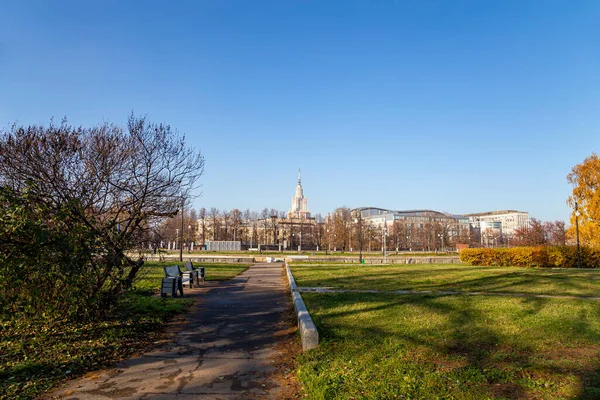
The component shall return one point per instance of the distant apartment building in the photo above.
(507, 221)
(489, 229)
(422, 229)
(380, 217)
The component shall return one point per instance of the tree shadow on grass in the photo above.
(495, 279)
(505, 365)
(516, 281)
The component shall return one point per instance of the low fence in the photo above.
(223, 245)
(245, 260)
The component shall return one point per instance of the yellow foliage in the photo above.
(538, 256)
(585, 178)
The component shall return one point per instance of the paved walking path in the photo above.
(226, 351)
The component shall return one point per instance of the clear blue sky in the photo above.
(457, 106)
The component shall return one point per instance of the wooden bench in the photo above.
(197, 274)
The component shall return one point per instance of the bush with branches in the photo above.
(75, 205)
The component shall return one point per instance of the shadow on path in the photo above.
(230, 348)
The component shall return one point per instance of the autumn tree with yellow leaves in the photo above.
(585, 178)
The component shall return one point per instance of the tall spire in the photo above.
(299, 208)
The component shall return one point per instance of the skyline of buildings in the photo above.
(503, 222)
(345, 228)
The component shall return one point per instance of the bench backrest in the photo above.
(172, 271)
(188, 266)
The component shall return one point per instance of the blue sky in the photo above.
(457, 106)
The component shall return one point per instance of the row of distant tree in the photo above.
(541, 233)
(341, 232)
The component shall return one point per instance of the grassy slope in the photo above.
(34, 356)
(380, 346)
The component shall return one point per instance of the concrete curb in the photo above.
(308, 330)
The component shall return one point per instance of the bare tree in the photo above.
(559, 233)
(116, 184)
(341, 228)
(532, 235)
(226, 218)
(202, 215)
(214, 216)
(247, 224)
(264, 219)
(236, 222)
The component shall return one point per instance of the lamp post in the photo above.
(359, 222)
(577, 230)
(181, 239)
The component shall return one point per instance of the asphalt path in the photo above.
(227, 350)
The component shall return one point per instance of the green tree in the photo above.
(585, 178)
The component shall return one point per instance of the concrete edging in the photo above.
(308, 330)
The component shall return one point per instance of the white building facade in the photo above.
(510, 220)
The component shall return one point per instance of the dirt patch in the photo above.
(288, 348)
(510, 391)
(448, 366)
(582, 353)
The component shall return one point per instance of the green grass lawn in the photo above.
(36, 355)
(386, 346)
(444, 277)
(381, 346)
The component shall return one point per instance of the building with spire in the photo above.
(299, 209)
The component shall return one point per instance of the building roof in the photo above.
(494, 213)
(405, 212)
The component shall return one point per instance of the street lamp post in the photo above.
(189, 239)
(181, 239)
(441, 236)
(577, 230)
(359, 222)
